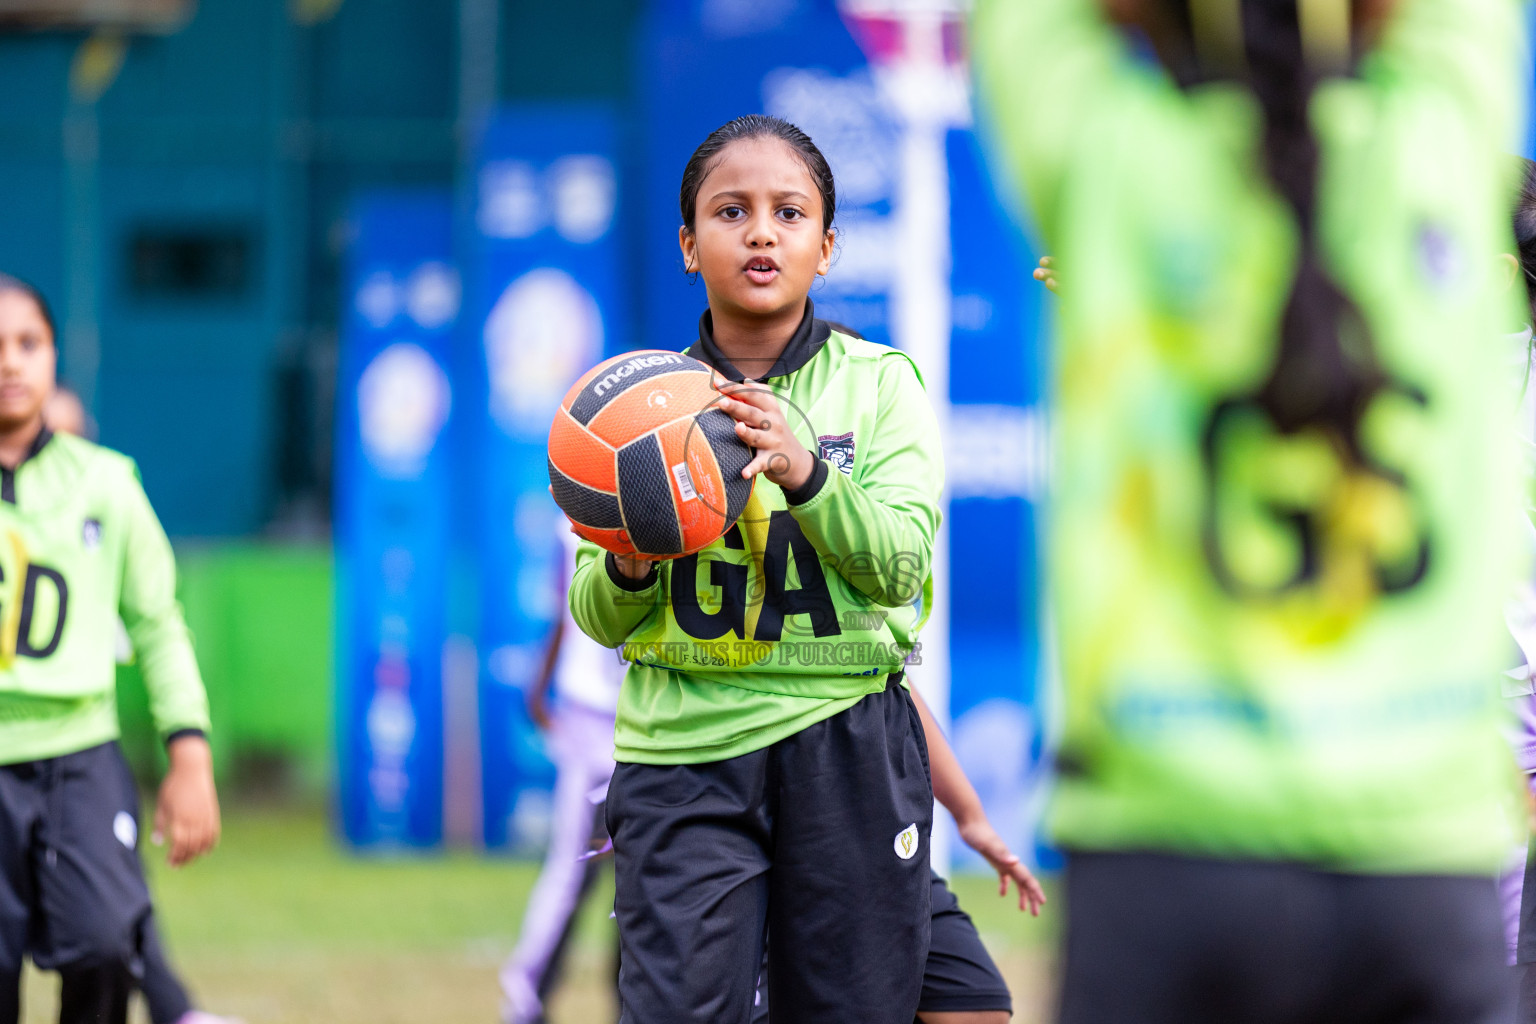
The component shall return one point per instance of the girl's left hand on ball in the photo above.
(760, 423)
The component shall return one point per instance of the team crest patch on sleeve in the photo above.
(90, 534)
(906, 842)
(838, 450)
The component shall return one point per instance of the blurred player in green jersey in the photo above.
(165, 995)
(1282, 533)
(1517, 882)
(81, 548)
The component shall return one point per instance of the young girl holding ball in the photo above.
(772, 776)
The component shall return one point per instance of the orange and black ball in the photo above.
(642, 460)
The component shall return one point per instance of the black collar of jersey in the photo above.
(802, 348)
(8, 476)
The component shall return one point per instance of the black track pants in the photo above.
(72, 890)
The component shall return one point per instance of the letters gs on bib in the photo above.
(1335, 521)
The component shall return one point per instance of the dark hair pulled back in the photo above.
(756, 126)
(1325, 372)
(16, 284)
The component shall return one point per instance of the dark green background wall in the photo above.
(250, 127)
(256, 122)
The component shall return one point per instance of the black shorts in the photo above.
(819, 842)
(72, 889)
(959, 977)
(1161, 939)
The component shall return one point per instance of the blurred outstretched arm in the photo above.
(1041, 67)
(1472, 52)
(187, 812)
(952, 789)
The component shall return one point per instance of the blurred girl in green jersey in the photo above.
(165, 996)
(771, 769)
(80, 548)
(1281, 536)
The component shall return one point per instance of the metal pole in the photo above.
(82, 243)
(479, 83)
(930, 98)
(96, 64)
(479, 66)
(928, 88)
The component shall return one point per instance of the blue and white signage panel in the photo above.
(542, 265)
(392, 516)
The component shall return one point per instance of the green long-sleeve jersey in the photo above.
(80, 548)
(812, 599)
(1268, 651)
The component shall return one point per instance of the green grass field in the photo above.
(282, 926)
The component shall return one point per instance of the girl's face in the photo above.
(758, 240)
(27, 360)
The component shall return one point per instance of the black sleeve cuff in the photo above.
(624, 582)
(182, 734)
(813, 484)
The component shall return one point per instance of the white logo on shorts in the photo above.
(125, 828)
(906, 842)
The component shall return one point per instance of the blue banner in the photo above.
(392, 517)
(542, 266)
(997, 456)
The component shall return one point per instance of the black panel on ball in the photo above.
(731, 455)
(646, 496)
(586, 506)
